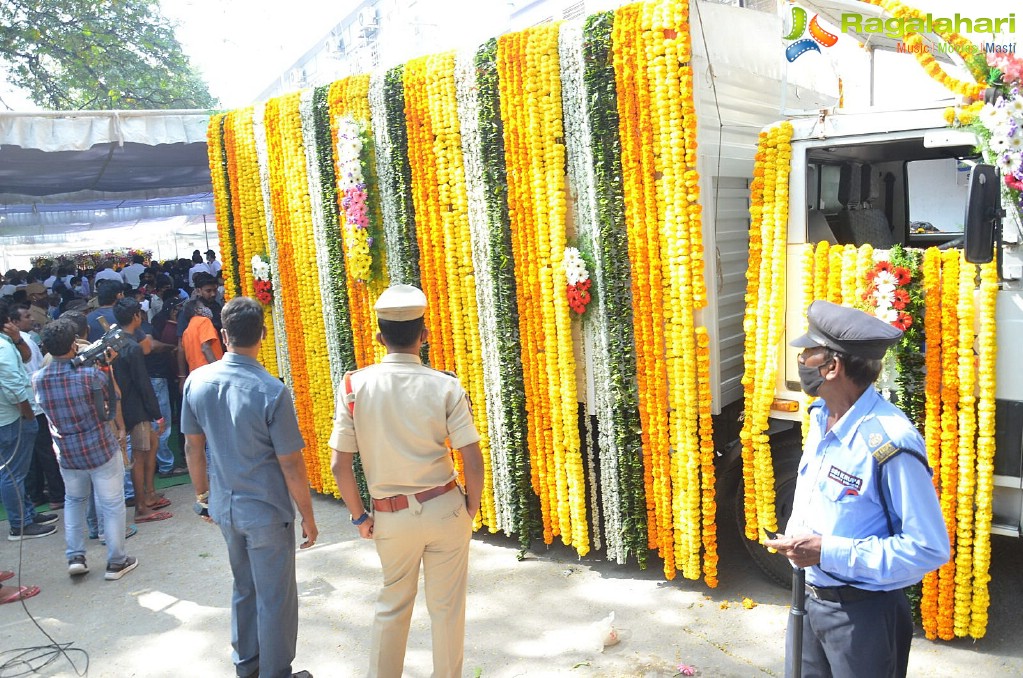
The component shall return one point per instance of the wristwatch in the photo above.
(361, 519)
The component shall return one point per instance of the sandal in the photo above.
(12, 595)
(5, 575)
(162, 502)
(154, 517)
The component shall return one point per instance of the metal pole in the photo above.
(794, 665)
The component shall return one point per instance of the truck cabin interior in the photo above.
(887, 193)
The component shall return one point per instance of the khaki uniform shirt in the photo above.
(39, 316)
(404, 411)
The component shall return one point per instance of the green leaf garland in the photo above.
(502, 268)
(614, 286)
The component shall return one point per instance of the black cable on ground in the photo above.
(25, 661)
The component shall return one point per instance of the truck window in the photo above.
(937, 198)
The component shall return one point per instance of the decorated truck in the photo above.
(911, 215)
(597, 220)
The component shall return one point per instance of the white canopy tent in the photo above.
(82, 180)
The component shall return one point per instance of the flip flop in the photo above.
(5, 575)
(162, 502)
(16, 594)
(154, 517)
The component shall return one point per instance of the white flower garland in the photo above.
(472, 154)
(308, 116)
(280, 331)
(393, 244)
(580, 172)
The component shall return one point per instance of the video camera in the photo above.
(96, 353)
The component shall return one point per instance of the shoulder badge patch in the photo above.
(878, 442)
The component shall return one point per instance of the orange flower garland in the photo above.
(510, 57)
(299, 290)
(530, 88)
(769, 216)
(442, 224)
(647, 288)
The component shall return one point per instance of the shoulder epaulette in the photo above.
(447, 372)
(877, 440)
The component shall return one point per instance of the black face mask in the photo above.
(810, 378)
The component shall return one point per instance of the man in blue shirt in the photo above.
(18, 429)
(247, 418)
(865, 521)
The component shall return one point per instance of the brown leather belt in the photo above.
(399, 502)
(841, 594)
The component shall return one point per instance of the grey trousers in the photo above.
(264, 605)
(869, 637)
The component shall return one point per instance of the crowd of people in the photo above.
(110, 408)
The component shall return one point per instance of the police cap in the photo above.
(400, 303)
(847, 330)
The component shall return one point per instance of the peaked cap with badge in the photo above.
(400, 303)
(847, 330)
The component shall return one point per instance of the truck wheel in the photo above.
(786, 450)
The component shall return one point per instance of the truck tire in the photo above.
(786, 450)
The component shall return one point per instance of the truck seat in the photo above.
(858, 220)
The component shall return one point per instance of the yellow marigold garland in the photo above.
(932, 407)
(985, 449)
(764, 325)
(535, 156)
(250, 221)
(442, 225)
(967, 451)
(949, 434)
(915, 44)
(293, 230)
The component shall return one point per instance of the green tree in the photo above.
(96, 54)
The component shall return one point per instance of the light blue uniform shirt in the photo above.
(838, 496)
(248, 418)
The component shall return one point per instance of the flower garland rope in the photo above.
(618, 419)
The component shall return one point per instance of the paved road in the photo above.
(170, 618)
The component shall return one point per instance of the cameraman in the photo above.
(78, 403)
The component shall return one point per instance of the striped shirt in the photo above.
(82, 438)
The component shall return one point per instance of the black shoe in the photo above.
(77, 566)
(130, 503)
(32, 531)
(302, 674)
(115, 572)
(45, 518)
(173, 473)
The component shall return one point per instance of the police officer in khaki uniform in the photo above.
(397, 415)
(37, 298)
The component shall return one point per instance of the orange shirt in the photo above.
(200, 330)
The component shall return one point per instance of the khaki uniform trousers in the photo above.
(435, 533)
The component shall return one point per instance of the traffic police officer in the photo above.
(400, 416)
(865, 522)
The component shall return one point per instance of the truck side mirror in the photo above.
(984, 213)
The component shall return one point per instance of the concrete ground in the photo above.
(171, 617)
